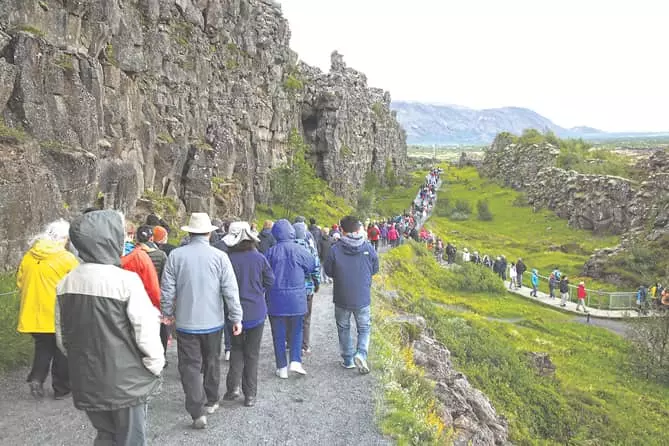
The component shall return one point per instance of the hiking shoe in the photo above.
(306, 351)
(211, 408)
(297, 368)
(361, 364)
(36, 390)
(227, 355)
(348, 364)
(61, 395)
(282, 372)
(231, 396)
(250, 401)
(200, 423)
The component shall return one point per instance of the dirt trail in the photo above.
(329, 406)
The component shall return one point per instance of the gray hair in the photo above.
(56, 231)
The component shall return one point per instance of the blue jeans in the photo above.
(363, 324)
(281, 327)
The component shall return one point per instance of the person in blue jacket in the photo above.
(312, 282)
(351, 263)
(287, 299)
(535, 283)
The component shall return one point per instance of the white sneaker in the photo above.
(200, 423)
(227, 355)
(282, 372)
(297, 368)
(211, 409)
(361, 363)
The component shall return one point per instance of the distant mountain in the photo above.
(428, 124)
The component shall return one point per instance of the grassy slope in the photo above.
(15, 348)
(594, 397)
(515, 231)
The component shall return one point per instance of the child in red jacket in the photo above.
(581, 297)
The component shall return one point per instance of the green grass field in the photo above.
(541, 239)
(16, 348)
(595, 398)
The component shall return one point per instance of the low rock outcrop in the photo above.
(190, 100)
(463, 407)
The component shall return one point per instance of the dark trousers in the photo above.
(306, 324)
(48, 356)
(375, 244)
(198, 353)
(164, 336)
(520, 280)
(244, 361)
(286, 328)
(123, 427)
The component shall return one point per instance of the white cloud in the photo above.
(579, 62)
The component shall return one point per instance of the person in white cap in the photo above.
(200, 277)
(254, 279)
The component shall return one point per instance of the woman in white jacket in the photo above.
(513, 276)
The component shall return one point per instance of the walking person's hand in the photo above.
(237, 329)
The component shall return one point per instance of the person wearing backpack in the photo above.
(373, 234)
(520, 269)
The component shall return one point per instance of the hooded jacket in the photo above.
(352, 263)
(290, 263)
(41, 268)
(267, 240)
(196, 280)
(313, 279)
(105, 323)
(139, 262)
(535, 278)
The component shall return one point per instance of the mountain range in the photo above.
(440, 124)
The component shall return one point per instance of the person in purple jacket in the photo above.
(351, 263)
(254, 279)
(287, 299)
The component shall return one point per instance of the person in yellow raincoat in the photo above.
(42, 267)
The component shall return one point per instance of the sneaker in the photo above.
(211, 408)
(227, 355)
(361, 364)
(297, 368)
(282, 372)
(200, 423)
(61, 395)
(231, 396)
(306, 351)
(348, 364)
(36, 390)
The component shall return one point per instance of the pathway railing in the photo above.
(603, 300)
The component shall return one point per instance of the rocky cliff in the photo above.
(193, 100)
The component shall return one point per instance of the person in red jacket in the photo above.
(138, 261)
(581, 297)
(393, 236)
(373, 234)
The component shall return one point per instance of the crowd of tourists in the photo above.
(102, 299)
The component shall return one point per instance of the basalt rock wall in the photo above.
(188, 99)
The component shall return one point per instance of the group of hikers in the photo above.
(102, 298)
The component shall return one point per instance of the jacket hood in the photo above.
(99, 237)
(283, 230)
(265, 233)
(43, 249)
(353, 243)
(300, 230)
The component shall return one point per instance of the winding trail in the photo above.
(329, 406)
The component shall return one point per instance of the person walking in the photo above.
(520, 269)
(535, 283)
(393, 236)
(552, 284)
(312, 282)
(564, 290)
(324, 251)
(160, 239)
(110, 333)
(201, 279)
(41, 269)
(254, 280)
(287, 299)
(352, 263)
(581, 294)
(512, 275)
(373, 234)
(146, 243)
(139, 262)
(267, 240)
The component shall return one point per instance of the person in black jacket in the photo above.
(316, 233)
(564, 290)
(323, 252)
(520, 269)
(267, 240)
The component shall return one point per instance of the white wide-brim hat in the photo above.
(199, 223)
(238, 232)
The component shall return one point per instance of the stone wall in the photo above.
(190, 99)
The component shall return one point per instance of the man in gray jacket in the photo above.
(109, 331)
(196, 280)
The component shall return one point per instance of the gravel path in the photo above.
(329, 406)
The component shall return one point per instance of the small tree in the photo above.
(483, 210)
(650, 355)
(389, 175)
(296, 182)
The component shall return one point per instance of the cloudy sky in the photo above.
(601, 63)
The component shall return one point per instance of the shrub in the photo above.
(483, 210)
(463, 206)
